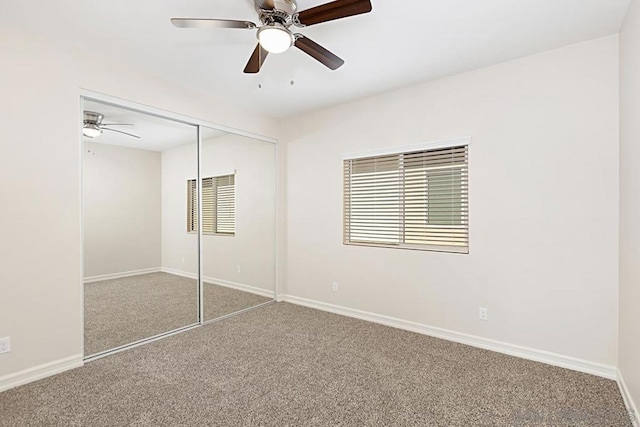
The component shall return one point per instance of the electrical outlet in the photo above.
(484, 313)
(238, 268)
(335, 286)
(5, 345)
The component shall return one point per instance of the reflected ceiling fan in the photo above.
(275, 35)
(92, 125)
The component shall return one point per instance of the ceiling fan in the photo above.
(275, 35)
(92, 126)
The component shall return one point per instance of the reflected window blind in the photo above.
(218, 205)
(412, 200)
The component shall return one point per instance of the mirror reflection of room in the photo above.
(238, 246)
(128, 294)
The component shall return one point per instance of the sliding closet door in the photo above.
(140, 257)
(238, 222)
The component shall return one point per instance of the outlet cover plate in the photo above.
(5, 345)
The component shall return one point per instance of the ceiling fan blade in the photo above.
(119, 131)
(319, 53)
(211, 23)
(256, 60)
(117, 124)
(335, 10)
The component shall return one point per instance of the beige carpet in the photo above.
(284, 365)
(122, 311)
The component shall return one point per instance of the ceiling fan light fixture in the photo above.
(91, 130)
(275, 38)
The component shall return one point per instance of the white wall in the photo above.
(179, 248)
(629, 333)
(40, 152)
(122, 209)
(543, 203)
(253, 246)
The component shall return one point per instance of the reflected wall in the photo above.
(238, 207)
(128, 296)
(239, 268)
(179, 225)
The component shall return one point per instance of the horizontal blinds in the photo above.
(192, 206)
(225, 204)
(373, 200)
(218, 205)
(208, 205)
(408, 199)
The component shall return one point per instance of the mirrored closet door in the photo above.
(238, 222)
(140, 264)
(161, 252)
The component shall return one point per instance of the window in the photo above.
(218, 205)
(411, 200)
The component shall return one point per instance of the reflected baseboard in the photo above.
(121, 275)
(179, 272)
(221, 282)
(628, 401)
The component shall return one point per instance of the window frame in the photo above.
(433, 145)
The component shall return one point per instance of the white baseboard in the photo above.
(180, 273)
(628, 400)
(121, 275)
(222, 282)
(239, 287)
(39, 372)
(549, 358)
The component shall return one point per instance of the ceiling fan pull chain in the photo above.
(292, 67)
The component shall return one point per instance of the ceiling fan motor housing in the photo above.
(91, 117)
(276, 11)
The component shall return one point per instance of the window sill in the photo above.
(212, 234)
(429, 248)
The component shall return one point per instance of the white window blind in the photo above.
(218, 205)
(412, 200)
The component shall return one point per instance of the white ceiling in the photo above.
(156, 133)
(397, 45)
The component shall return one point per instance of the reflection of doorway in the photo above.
(141, 262)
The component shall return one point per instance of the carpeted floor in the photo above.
(284, 365)
(122, 311)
